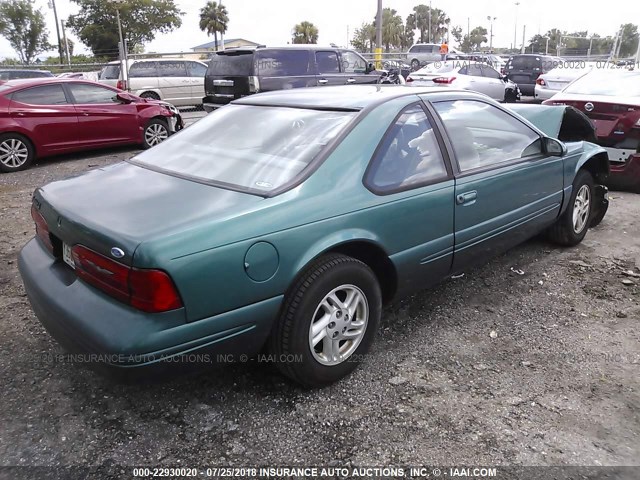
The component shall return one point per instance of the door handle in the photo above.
(467, 198)
(351, 80)
(323, 81)
(85, 114)
(20, 114)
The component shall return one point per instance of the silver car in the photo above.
(174, 80)
(467, 75)
(422, 54)
(550, 83)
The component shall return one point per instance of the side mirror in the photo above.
(505, 77)
(554, 147)
(124, 97)
(370, 68)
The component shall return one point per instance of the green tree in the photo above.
(97, 27)
(364, 38)
(629, 40)
(392, 29)
(214, 19)
(439, 23)
(305, 32)
(408, 38)
(477, 37)
(24, 28)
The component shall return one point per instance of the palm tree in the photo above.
(305, 32)
(214, 19)
(392, 29)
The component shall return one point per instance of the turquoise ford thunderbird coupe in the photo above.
(284, 221)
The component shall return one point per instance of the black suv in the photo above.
(525, 69)
(242, 71)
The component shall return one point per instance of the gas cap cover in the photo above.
(261, 261)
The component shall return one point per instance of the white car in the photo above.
(550, 83)
(466, 75)
(174, 80)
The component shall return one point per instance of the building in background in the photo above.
(228, 43)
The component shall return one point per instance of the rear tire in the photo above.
(151, 95)
(572, 226)
(328, 321)
(156, 132)
(16, 152)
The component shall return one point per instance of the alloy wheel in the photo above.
(155, 134)
(581, 208)
(338, 325)
(13, 153)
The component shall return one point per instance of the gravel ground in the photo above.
(493, 368)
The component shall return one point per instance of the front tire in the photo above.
(156, 132)
(150, 95)
(16, 152)
(328, 321)
(572, 226)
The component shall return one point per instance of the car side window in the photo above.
(490, 72)
(474, 70)
(143, 69)
(43, 95)
(282, 63)
(408, 156)
(483, 135)
(84, 93)
(327, 62)
(353, 63)
(172, 69)
(196, 69)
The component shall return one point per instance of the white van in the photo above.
(174, 80)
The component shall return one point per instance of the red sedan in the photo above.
(611, 99)
(43, 117)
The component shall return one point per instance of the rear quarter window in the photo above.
(143, 69)
(110, 72)
(282, 63)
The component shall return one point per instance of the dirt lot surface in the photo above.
(532, 359)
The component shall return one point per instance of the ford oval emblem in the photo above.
(117, 252)
(589, 107)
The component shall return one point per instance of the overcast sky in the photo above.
(270, 22)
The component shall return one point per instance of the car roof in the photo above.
(346, 97)
(32, 82)
(23, 70)
(156, 59)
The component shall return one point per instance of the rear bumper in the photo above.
(211, 102)
(544, 93)
(106, 333)
(527, 89)
(625, 176)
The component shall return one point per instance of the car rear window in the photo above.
(609, 83)
(282, 63)
(252, 148)
(110, 72)
(441, 67)
(525, 63)
(237, 64)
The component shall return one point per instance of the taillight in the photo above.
(145, 289)
(540, 81)
(638, 123)
(254, 84)
(121, 85)
(444, 80)
(42, 229)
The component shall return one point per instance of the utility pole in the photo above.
(66, 45)
(491, 19)
(515, 29)
(52, 4)
(124, 65)
(524, 29)
(378, 54)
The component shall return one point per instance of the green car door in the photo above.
(507, 188)
(410, 170)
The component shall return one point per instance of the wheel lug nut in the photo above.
(335, 334)
(332, 324)
(338, 314)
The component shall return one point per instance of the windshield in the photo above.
(246, 147)
(610, 83)
(438, 67)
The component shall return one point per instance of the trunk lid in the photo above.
(85, 209)
(228, 76)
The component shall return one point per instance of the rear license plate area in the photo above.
(67, 256)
